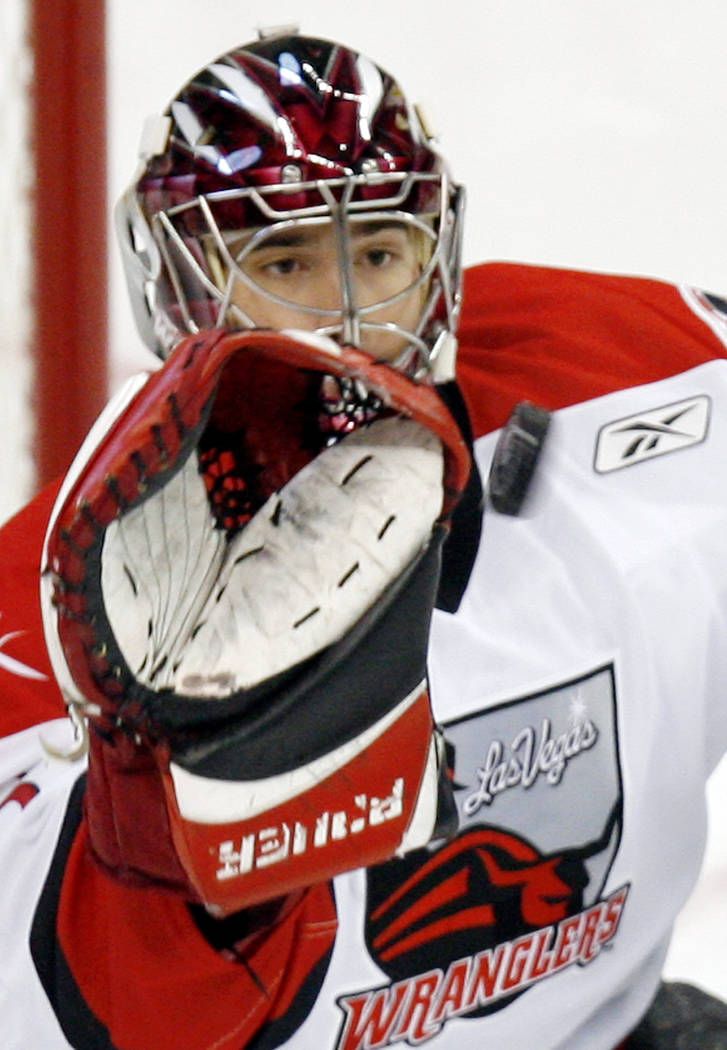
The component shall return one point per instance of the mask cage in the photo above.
(186, 266)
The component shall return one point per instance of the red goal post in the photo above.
(68, 224)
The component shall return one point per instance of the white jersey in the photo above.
(580, 689)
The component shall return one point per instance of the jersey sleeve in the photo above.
(29, 693)
(591, 334)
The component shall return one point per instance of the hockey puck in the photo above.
(516, 456)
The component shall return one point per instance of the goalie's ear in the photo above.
(240, 577)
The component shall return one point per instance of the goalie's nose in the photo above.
(327, 293)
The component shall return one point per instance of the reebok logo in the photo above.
(650, 434)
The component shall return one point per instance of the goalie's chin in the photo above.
(240, 573)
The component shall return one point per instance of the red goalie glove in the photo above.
(240, 573)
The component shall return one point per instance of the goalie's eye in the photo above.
(282, 267)
(272, 263)
(380, 245)
(378, 257)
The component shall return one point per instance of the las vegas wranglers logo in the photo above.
(521, 893)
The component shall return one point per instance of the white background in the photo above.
(589, 133)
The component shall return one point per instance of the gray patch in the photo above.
(546, 768)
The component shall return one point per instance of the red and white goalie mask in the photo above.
(239, 577)
(290, 185)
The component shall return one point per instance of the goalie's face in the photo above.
(366, 285)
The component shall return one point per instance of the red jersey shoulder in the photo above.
(28, 692)
(558, 337)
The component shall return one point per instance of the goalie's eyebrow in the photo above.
(374, 226)
(287, 239)
(301, 238)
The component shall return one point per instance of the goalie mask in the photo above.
(238, 581)
(285, 145)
